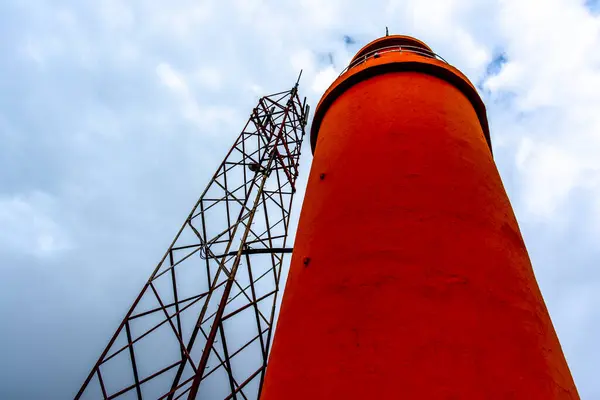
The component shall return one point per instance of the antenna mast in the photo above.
(203, 322)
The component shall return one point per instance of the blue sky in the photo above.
(114, 115)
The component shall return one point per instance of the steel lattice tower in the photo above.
(203, 322)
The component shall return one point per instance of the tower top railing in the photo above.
(392, 49)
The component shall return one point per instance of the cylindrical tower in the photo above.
(409, 277)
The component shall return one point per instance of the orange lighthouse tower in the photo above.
(410, 278)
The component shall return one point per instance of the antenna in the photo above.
(298, 80)
(387, 31)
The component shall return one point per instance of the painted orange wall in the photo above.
(409, 277)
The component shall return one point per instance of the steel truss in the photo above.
(202, 324)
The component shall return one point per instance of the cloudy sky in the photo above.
(114, 115)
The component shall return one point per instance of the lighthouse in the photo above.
(409, 277)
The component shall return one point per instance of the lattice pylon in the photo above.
(202, 324)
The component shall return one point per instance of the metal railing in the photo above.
(392, 49)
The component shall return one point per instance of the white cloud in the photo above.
(322, 14)
(553, 76)
(182, 19)
(323, 79)
(207, 117)
(116, 14)
(28, 226)
(550, 174)
(92, 88)
(303, 59)
(209, 77)
(172, 79)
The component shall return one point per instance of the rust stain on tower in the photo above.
(418, 284)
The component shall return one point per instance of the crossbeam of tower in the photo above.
(203, 322)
